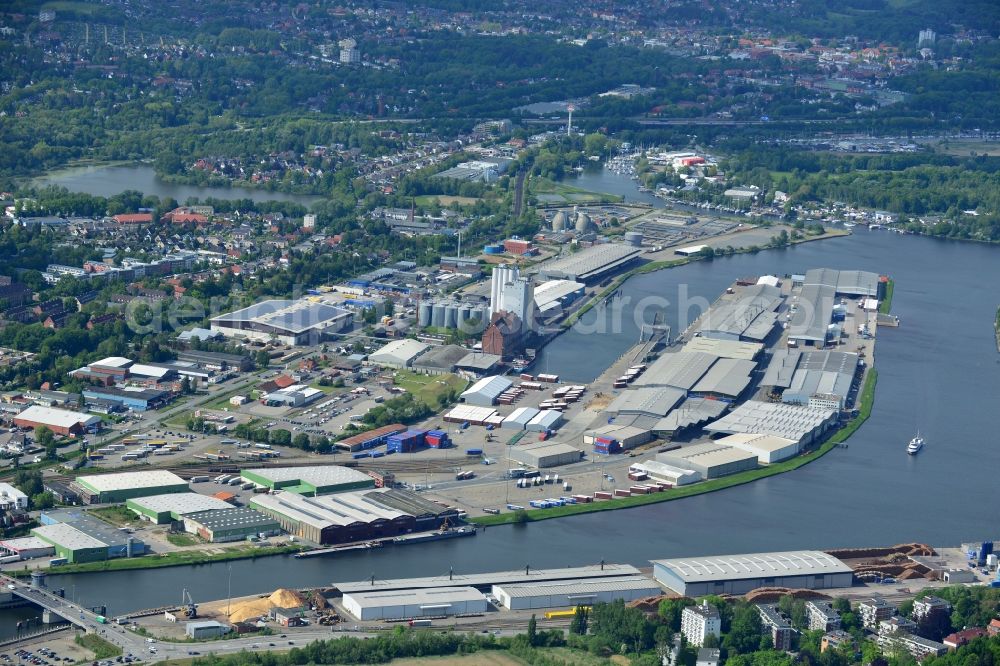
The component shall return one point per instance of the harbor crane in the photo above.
(191, 612)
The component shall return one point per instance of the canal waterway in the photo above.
(595, 178)
(109, 180)
(939, 372)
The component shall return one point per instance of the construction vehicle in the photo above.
(191, 610)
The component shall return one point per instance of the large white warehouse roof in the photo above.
(104, 483)
(736, 567)
(439, 596)
(488, 387)
(399, 352)
(62, 418)
(583, 588)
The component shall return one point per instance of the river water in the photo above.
(107, 181)
(598, 179)
(939, 372)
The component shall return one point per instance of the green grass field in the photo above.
(181, 540)
(427, 388)
(569, 193)
(886, 305)
(119, 516)
(427, 200)
(101, 648)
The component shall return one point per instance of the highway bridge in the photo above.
(151, 650)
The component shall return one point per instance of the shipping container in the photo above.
(603, 495)
(473, 452)
(621, 492)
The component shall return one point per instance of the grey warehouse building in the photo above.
(752, 316)
(486, 391)
(848, 283)
(567, 593)
(298, 322)
(403, 604)
(711, 459)
(546, 455)
(591, 263)
(739, 574)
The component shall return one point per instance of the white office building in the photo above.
(698, 622)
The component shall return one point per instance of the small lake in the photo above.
(108, 180)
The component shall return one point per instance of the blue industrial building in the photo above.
(139, 400)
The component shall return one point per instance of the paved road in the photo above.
(158, 650)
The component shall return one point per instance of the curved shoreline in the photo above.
(866, 401)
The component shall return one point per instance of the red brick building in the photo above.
(504, 336)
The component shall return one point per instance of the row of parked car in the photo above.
(44, 657)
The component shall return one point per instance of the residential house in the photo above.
(822, 616)
(960, 638)
(873, 611)
(896, 625)
(708, 657)
(927, 606)
(836, 639)
(781, 629)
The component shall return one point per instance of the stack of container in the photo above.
(406, 442)
(606, 445)
(510, 396)
(437, 439)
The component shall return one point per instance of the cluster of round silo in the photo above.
(424, 311)
(450, 315)
(502, 275)
(438, 315)
(633, 238)
(560, 221)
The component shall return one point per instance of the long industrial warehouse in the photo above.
(405, 604)
(352, 516)
(739, 574)
(565, 593)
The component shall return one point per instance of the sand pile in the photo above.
(254, 608)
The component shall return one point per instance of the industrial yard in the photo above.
(761, 377)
